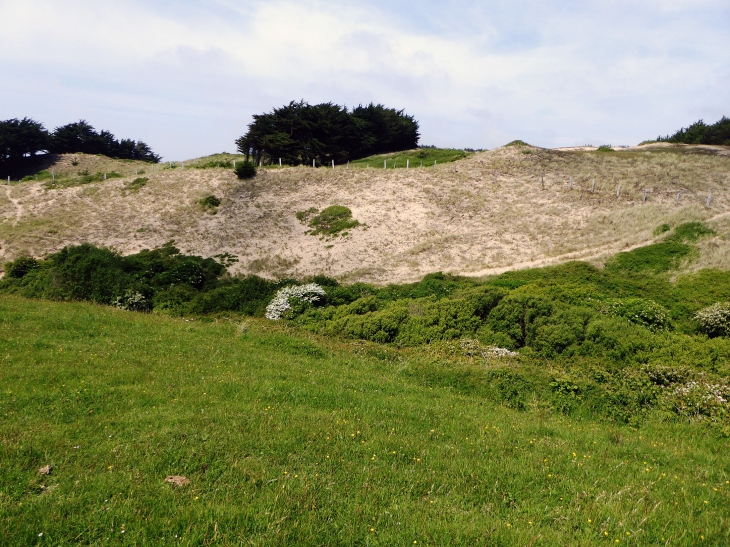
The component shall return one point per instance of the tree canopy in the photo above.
(27, 137)
(701, 133)
(300, 133)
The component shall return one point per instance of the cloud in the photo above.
(187, 76)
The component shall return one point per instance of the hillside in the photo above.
(288, 438)
(457, 217)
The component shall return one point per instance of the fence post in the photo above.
(104, 176)
(496, 175)
(234, 164)
(571, 183)
(593, 185)
(618, 191)
(313, 162)
(333, 164)
(408, 164)
(385, 164)
(677, 203)
(434, 163)
(709, 200)
(542, 181)
(644, 195)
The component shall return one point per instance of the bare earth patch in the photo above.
(417, 221)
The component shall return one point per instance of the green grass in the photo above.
(223, 160)
(289, 439)
(424, 155)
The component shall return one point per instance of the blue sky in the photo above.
(186, 76)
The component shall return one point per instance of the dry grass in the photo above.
(418, 221)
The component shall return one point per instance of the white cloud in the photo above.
(187, 76)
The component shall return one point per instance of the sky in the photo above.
(186, 76)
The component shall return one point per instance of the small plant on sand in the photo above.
(136, 185)
(245, 170)
(605, 148)
(332, 221)
(210, 204)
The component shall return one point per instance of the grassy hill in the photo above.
(289, 438)
(508, 208)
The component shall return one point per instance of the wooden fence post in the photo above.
(709, 200)
(618, 191)
(593, 185)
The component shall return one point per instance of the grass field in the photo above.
(291, 439)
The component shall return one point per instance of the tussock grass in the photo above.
(288, 439)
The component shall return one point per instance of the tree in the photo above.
(701, 133)
(82, 137)
(300, 133)
(20, 138)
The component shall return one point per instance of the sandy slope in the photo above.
(416, 221)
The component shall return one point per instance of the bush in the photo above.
(715, 319)
(137, 184)
(210, 202)
(605, 148)
(332, 220)
(245, 170)
(642, 312)
(21, 266)
(662, 228)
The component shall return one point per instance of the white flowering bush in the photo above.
(282, 301)
(132, 301)
(715, 319)
(701, 400)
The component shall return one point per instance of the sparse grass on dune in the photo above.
(422, 157)
(290, 439)
(491, 224)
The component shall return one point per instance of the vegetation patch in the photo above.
(245, 170)
(136, 185)
(605, 148)
(210, 203)
(423, 157)
(330, 222)
(517, 142)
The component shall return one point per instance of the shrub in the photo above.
(137, 184)
(332, 220)
(662, 228)
(656, 258)
(133, 300)
(715, 319)
(605, 148)
(21, 266)
(642, 312)
(690, 232)
(245, 170)
(210, 202)
(311, 292)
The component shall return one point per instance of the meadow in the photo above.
(289, 438)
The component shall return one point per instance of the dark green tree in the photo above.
(701, 133)
(301, 133)
(20, 138)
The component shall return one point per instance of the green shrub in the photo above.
(517, 142)
(656, 258)
(690, 232)
(210, 204)
(662, 228)
(642, 312)
(605, 148)
(715, 319)
(245, 170)
(19, 267)
(137, 184)
(332, 220)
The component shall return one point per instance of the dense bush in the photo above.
(715, 319)
(245, 170)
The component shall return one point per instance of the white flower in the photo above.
(311, 292)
